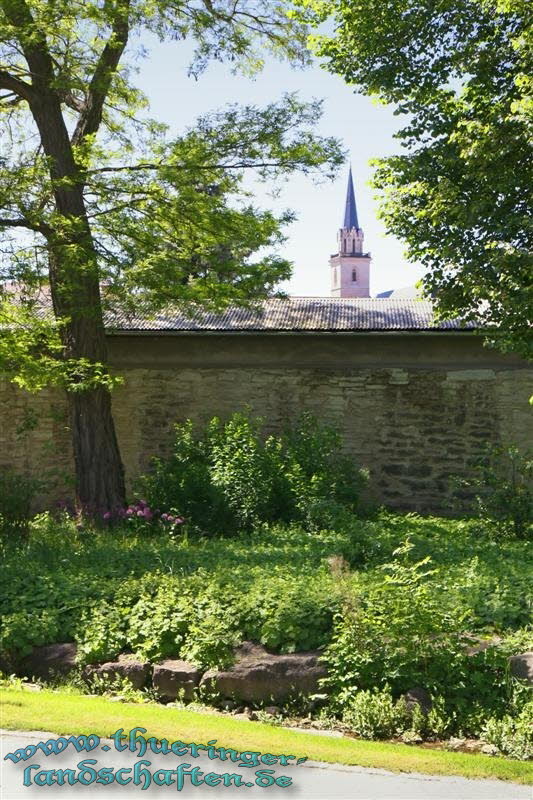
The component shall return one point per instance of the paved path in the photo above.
(311, 781)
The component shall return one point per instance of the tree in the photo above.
(458, 71)
(116, 214)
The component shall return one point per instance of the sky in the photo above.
(365, 129)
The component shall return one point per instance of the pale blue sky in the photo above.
(365, 128)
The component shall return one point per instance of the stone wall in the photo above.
(413, 408)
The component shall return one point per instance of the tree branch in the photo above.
(16, 86)
(194, 167)
(34, 46)
(91, 116)
(25, 223)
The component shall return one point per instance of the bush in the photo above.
(513, 736)
(232, 477)
(374, 714)
(16, 495)
(502, 490)
(395, 632)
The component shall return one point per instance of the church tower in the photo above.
(350, 267)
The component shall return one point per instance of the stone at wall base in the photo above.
(50, 660)
(261, 677)
(173, 677)
(125, 666)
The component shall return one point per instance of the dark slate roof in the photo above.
(350, 210)
(297, 314)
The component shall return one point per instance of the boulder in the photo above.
(260, 677)
(125, 666)
(521, 666)
(418, 697)
(170, 677)
(49, 661)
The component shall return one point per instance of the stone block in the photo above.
(260, 677)
(50, 660)
(125, 666)
(173, 676)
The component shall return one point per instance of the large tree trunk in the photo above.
(76, 299)
(74, 275)
(99, 471)
(74, 282)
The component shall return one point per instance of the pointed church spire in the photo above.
(350, 210)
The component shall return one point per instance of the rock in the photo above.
(490, 750)
(274, 711)
(259, 676)
(521, 666)
(50, 660)
(455, 744)
(411, 737)
(126, 666)
(171, 677)
(32, 687)
(418, 697)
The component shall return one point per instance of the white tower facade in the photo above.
(350, 266)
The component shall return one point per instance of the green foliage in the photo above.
(513, 736)
(388, 620)
(158, 217)
(22, 630)
(16, 495)
(230, 477)
(373, 714)
(408, 630)
(396, 632)
(502, 486)
(459, 74)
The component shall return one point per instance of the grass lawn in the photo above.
(68, 713)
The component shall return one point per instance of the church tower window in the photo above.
(354, 275)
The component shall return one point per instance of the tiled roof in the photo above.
(298, 314)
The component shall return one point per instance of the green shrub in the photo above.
(16, 495)
(374, 714)
(231, 477)
(502, 490)
(288, 612)
(513, 736)
(24, 629)
(395, 632)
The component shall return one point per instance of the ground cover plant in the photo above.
(387, 598)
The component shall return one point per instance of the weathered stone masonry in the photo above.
(414, 407)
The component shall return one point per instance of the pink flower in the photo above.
(147, 513)
(164, 517)
(140, 514)
(107, 515)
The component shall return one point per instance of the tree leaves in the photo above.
(460, 194)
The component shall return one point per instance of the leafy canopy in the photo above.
(459, 74)
(172, 218)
